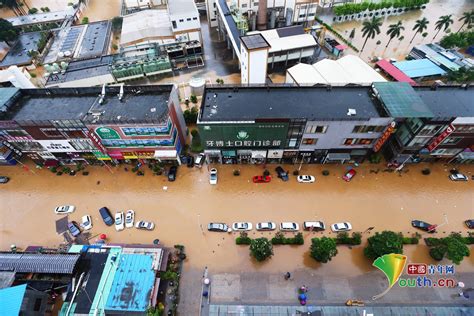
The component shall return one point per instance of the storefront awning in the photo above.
(165, 154)
(259, 154)
(275, 154)
(229, 153)
(338, 156)
(466, 155)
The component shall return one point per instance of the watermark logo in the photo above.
(420, 276)
(392, 265)
(242, 135)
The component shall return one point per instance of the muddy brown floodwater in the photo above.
(98, 10)
(181, 213)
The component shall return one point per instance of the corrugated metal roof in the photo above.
(11, 299)
(419, 68)
(39, 263)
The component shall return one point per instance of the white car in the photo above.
(266, 226)
(457, 177)
(241, 226)
(145, 225)
(341, 227)
(86, 222)
(64, 209)
(289, 227)
(119, 221)
(213, 176)
(129, 219)
(306, 179)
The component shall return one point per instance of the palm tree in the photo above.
(443, 22)
(467, 18)
(420, 26)
(394, 31)
(370, 29)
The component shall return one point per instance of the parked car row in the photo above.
(284, 226)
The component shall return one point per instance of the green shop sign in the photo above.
(107, 133)
(264, 135)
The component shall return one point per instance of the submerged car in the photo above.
(199, 161)
(145, 225)
(241, 226)
(190, 161)
(261, 179)
(314, 226)
(341, 227)
(289, 227)
(74, 229)
(469, 223)
(213, 176)
(282, 174)
(172, 173)
(129, 218)
(217, 227)
(119, 221)
(106, 216)
(65, 209)
(4, 179)
(427, 227)
(86, 222)
(265, 226)
(458, 177)
(349, 175)
(306, 179)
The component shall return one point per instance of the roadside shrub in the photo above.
(296, 172)
(170, 275)
(426, 171)
(323, 249)
(243, 239)
(437, 253)
(344, 239)
(431, 242)
(280, 239)
(410, 240)
(85, 173)
(85, 20)
(114, 46)
(54, 169)
(325, 173)
(33, 11)
(193, 99)
(383, 243)
(261, 249)
(236, 173)
(59, 173)
(266, 173)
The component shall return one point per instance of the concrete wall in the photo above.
(189, 21)
(253, 67)
(338, 131)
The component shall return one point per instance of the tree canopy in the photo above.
(383, 243)
(7, 32)
(323, 249)
(261, 249)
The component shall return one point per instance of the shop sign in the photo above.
(107, 133)
(57, 146)
(290, 154)
(259, 154)
(275, 154)
(384, 137)
(263, 135)
(101, 156)
(95, 139)
(116, 154)
(46, 155)
(305, 153)
(448, 131)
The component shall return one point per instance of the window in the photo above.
(14, 133)
(445, 151)
(188, 19)
(368, 129)
(244, 5)
(213, 20)
(419, 141)
(358, 141)
(27, 146)
(312, 129)
(301, 15)
(430, 130)
(214, 4)
(255, 4)
(51, 132)
(349, 141)
(195, 19)
(292, 142)
(82, 144)
(414, 124)
(75, 134)
(452, 140)
(174, 24)
(181, 20)
(465, 128)
(309, 141)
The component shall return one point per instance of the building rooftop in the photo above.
(182, 7)
(139, 103)
(419, 68)
(229, 20)
(448, 101)
(401, 100)
(286, 38)
(38, 263)
(18, 54)
(255, 41)
(133, 282)
(313, 103)
(11, 299)
(394, 72)
(44, 17)
(145, 25)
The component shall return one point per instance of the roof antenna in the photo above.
(102, 95)
(120, 95)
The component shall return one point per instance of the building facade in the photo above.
(85, 125)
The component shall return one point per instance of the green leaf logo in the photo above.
(392, 266)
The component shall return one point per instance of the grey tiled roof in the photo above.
(39, 263)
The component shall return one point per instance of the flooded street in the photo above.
(399, 49)
(98, 10)
(181, 214)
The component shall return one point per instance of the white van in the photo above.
(199, 161)
(314, 226)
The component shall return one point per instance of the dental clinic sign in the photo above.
(239, 135)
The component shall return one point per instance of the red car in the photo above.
(349, 175)
(261, 179)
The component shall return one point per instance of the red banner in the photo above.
(441, 137)
(384, 137)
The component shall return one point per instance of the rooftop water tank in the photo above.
(197, 86)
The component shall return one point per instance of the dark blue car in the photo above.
(106, 216)
(74, 229)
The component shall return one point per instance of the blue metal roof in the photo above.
(133, 283)
(419, 68)
(11, 299)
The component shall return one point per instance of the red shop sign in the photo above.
(441, 137)
(384, 137)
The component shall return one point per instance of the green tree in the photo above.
(323, 249)
(370, 29)
(420, 26)
(261, 249)
(466, 18)
(443, 22)
(7, 32)
(32, 11)
(196, 145)
(394, 31)
(452, 248)
(193, 99)
(117, 23)
(85, 20)
(462, 75)
(383, 243)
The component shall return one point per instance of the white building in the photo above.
(254, 51)
(279, 12)
(16, 77)
(138, 5)
(346, 70)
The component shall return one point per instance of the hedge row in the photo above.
(344, 239)
(243, 240)
(433, 242)
(352, 8)
(339, 36)
(280, 239)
